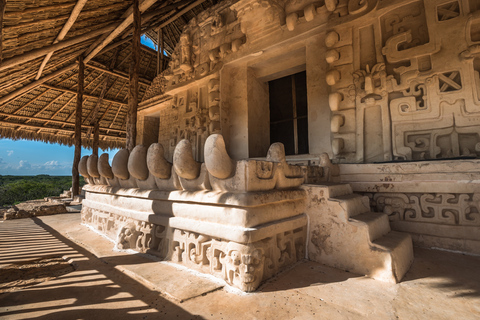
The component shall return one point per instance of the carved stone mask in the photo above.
(245, 266)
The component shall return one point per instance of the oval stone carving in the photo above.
(336, 122)
(333, 77)
(92, 168)
(183, 162)
(332, 55)
(331, 39)
(334, 100)
(137, 163)
(82, 167)
(217, 160)
(156, 162)
(276, 152)
(104, 167)
(120, 164)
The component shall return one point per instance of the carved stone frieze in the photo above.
(242, 265)
(439, 208)
(418, 97)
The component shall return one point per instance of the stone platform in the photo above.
(241, 221)
(439, 285)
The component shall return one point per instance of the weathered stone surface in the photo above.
(104, 167)
(158, 166)
(137, 163)
(217, 161)
(345, 234)
(33, 208)
(92, 166)
(82, 167)
(120, 164)
(183, 161)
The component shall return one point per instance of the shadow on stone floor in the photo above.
(95, 290)
(312, 274)
(456, 273)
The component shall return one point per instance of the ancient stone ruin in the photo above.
(336, 130)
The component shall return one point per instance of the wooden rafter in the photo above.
(33, 54)
(85, 94)
(71, 20)
(49, 104)
(116, 73)
(34, 84)
(119, 29)
(3, 4)
(31, 30)
(31, 11)
(61, 122)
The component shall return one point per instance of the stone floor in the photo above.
(117, 285)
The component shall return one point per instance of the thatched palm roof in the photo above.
(44, 109)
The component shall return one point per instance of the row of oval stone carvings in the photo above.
(150, 170)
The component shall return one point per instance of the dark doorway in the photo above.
(288, 113)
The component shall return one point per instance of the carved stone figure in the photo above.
(243, 266)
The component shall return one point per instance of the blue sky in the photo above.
(22, 157)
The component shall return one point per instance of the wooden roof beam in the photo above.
(71, 20)
(13, 14)
(119, 29)
(176, 16)
(75, 93)
(34, 84)
(116, 73)
(37, 53)
(28, 125)
(3, 4)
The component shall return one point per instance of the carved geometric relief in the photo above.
(410, 17)
(448, 11)
(439, 208)
(450, 81)
(475, 31)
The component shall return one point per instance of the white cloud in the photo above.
(51, 163)
(9, 152)
(24, 164)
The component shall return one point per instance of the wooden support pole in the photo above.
(160, 62)
(78, 129)
(96, 138)
(133, 87)
(3, 4)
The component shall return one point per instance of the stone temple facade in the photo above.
(341, 131)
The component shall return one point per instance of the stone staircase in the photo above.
(345, 234)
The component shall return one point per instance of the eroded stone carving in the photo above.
(242, 265)
(446, 209)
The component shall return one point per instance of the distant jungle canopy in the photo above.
(16, 189)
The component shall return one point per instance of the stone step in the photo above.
(337, 190)
(377, 223)
(353, 204)
(399, 246)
